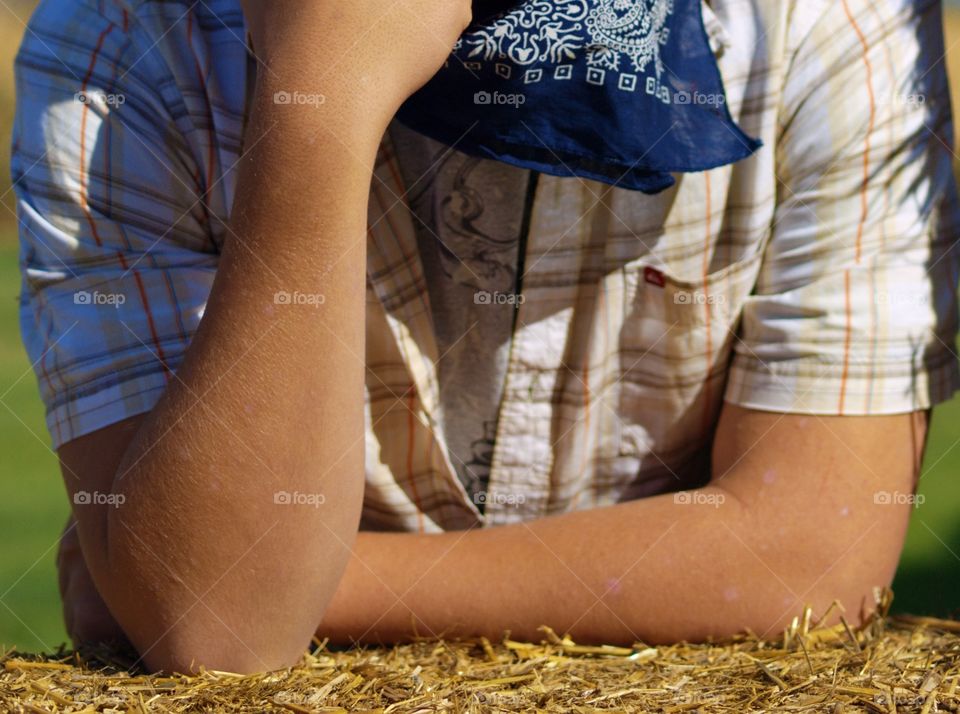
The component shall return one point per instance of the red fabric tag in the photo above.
(654, 277)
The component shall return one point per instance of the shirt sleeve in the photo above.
(855, 308)
(117, 256)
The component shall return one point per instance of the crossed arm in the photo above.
(200, 566)
(789, 519)
(792, 520)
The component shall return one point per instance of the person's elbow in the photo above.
(835, 579)
(244, 620)
(189, 647)
(245, 638)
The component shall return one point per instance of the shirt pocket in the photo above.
(675, 345)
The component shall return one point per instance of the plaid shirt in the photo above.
(818, 276)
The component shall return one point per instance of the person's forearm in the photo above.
(241, 490)
(799, 511)
(245, 482)
(648, 570)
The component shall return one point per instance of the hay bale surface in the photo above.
(889, 665)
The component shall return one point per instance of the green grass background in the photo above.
(33, 504)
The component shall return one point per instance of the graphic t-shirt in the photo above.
(469, 215)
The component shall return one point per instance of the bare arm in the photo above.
(789, 519)
(200, 564)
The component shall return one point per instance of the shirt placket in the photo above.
(523, 458)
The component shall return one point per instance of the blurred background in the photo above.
(33, 504)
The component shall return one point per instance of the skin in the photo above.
(798, 524)
(201, 566)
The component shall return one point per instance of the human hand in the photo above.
(87, 618)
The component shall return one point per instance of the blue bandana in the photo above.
(620, 91)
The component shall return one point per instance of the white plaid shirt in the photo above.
(819, 276)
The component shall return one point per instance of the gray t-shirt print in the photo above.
(469, 217)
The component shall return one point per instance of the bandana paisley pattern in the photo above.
(555, 31)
